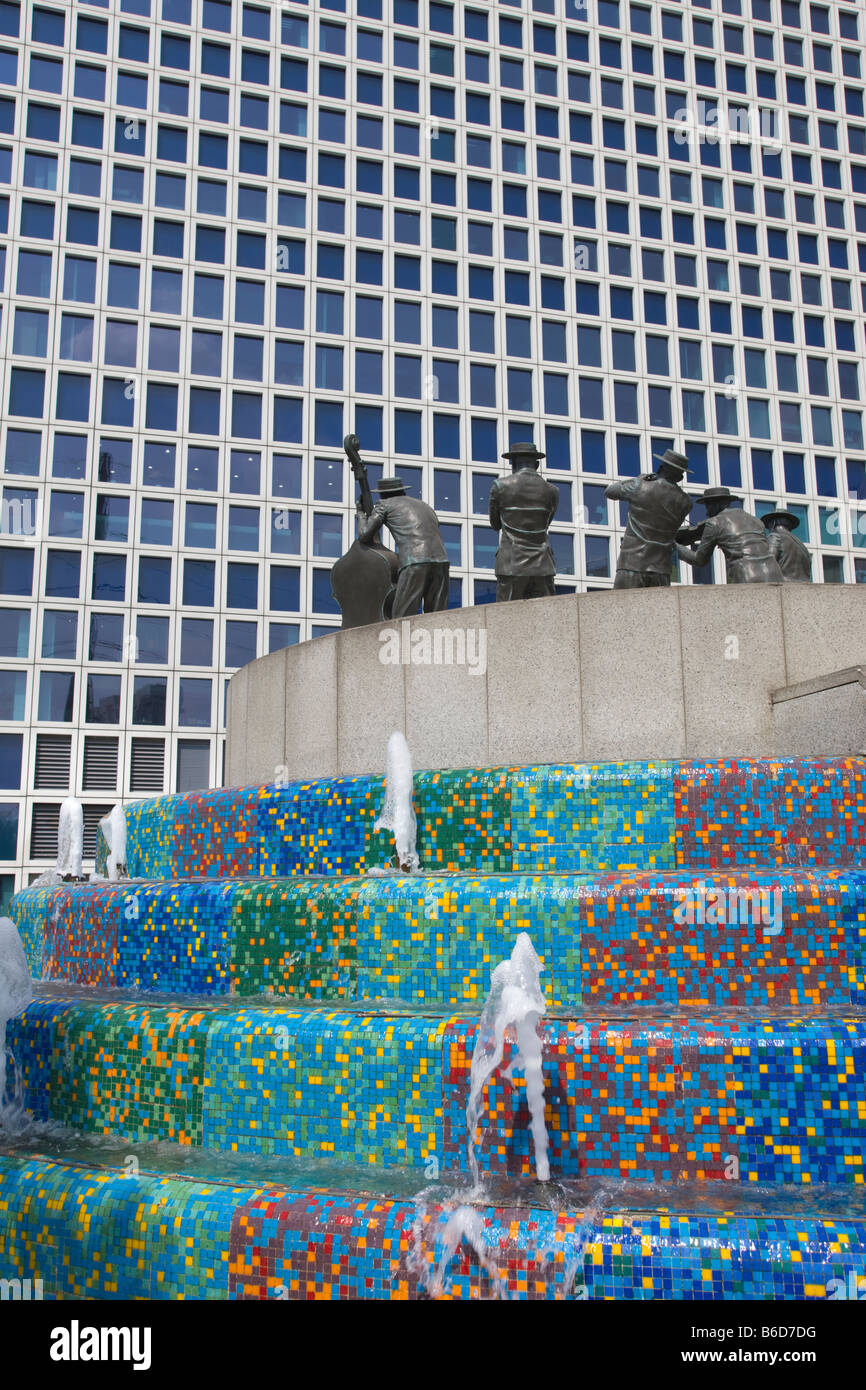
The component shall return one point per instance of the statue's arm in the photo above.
(700, 555)
(369, 526)
(493, 510)
(622, 489)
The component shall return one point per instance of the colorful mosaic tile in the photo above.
(91, 1233)
(808, 811)
(325, 1247)
(730, 889)
(33, 911)
(127, 1070)
(31, 1043)
(593, 817)
(322, 827)
(80, 941)
(600, 817)
(295, 936)
(756, 1097)
(792, 938)
(681, 1098)
(464, 820)
(175, 936)
(324, 1083)
(677, 1101)
(97, 1233)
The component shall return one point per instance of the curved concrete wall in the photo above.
(604, 677)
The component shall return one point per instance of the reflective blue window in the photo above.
(154, 579)
(158, 469)
(241, 585)
(62, 574)
(106, 637)
(156, 526)
(70, 458)
(56, 696)
(149, 700)
(196, 641)
(194, 702)
(198, 583)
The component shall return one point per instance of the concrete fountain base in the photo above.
(686, 672)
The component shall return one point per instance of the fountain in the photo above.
(113, 828)
(514, 1005)
(398, 812)
(70, 839)
(300, 1055)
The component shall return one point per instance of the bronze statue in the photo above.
(740, 537)
(790, 553)
(522, 506)
(657, 508)
(422, 560)
(364, 580)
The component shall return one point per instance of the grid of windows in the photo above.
(232, 232)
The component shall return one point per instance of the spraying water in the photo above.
(16, 991)
(515, 1001)
(462, 1224)
(70, 838)
(559, 1260)
(113, 827)
(398, 812)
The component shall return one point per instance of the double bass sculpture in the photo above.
(364, 580)
(370, 582)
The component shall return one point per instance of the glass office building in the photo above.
(231, 232)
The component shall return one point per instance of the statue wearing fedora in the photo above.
(422, 574)
(658, 506)
(790, 553)
(740, 537)
(522, 506)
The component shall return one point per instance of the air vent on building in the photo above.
(53, 760)
(147, 765)
(43, 830)
(100, 764)
(92, 816)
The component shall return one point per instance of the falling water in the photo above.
(70, 838)
(558, 1262)
(113, 827)
(398, 812)
(463, 1224)
(515, 1001)
(16, 991)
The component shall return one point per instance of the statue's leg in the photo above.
(436, 590)
(410, 588)
(505, 589)
(629, 579)
(539, 586)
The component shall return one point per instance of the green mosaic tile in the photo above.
(469, 824)
(295, 936)
(125, 1069)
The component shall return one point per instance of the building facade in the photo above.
(231, 232)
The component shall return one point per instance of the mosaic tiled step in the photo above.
(672, 1098)
(719, 814)
(92, 1233)
(770, 939)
